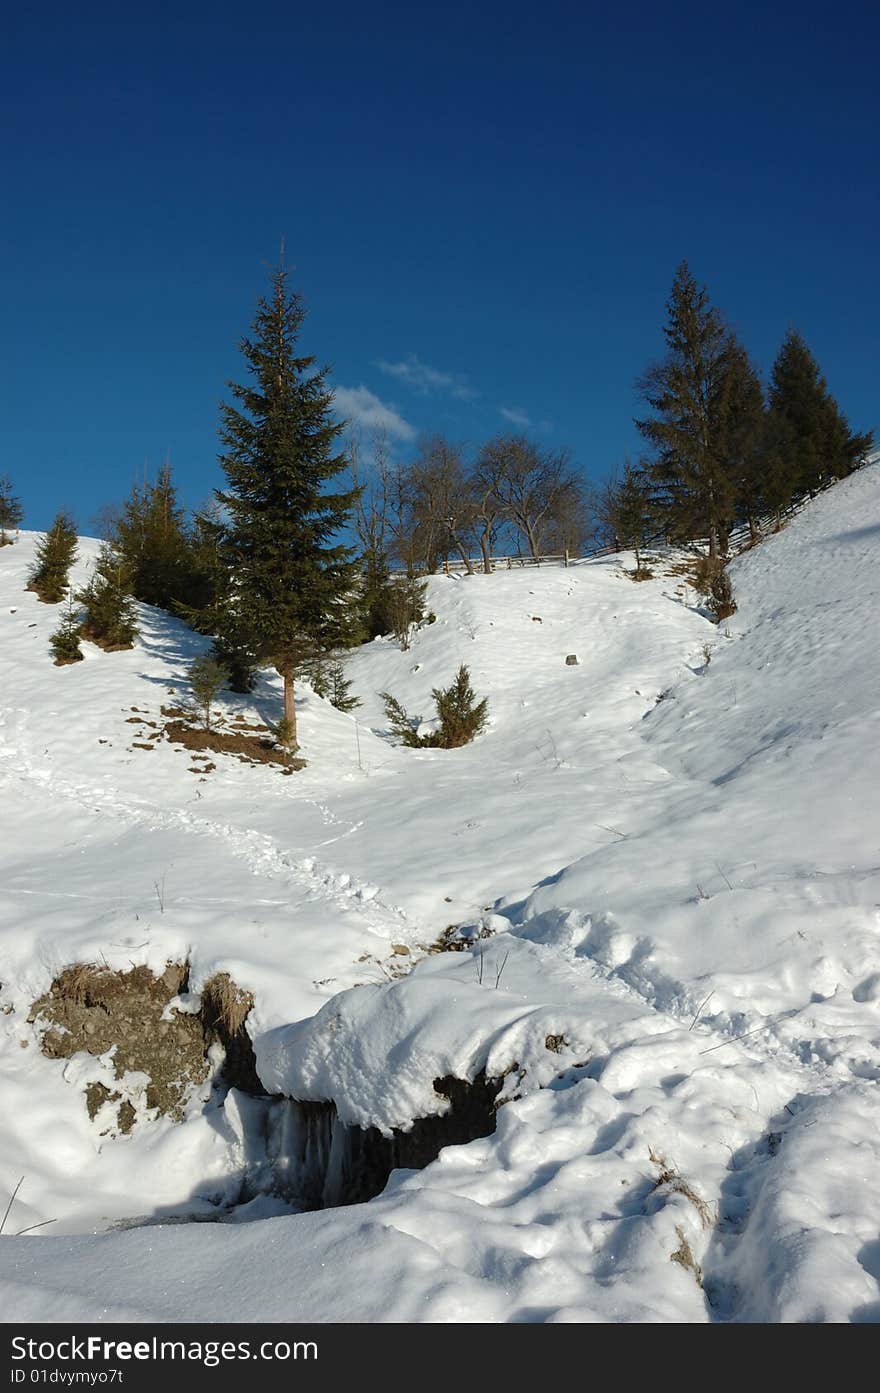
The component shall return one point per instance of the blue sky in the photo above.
(483, 206)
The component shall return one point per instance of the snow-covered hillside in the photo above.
(675, 867)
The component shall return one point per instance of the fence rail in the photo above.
(452, 565)
(739, 540)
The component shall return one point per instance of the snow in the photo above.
(673, 865)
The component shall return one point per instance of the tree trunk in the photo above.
(487, 557)
(290, 710)
(464, 556)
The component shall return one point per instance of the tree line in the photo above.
(264, 571)
(722, 453)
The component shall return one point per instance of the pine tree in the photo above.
(109, 619)
(627, 512)
(692, 488)
(54, 556)
(211, 600)
(206, 676)
(151, 538)
(810, 441)
(206, 576)
(289, 582)
(339, 689)
(376, 601)
(741, 437)
(65, 640)
(11, 511)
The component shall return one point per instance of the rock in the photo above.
(571, 660)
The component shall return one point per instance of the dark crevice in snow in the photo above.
(315, 1161)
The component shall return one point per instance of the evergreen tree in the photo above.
(626, 510)
(206, 676)
(809, 438)
(317, 675)
(290, 583)
(109, 619)
(692, 487)
(376, 601)
(399, 722)
(339, 689)
(151, 538)
(11, 511)
(212, 603)
(54, 556)
(741, 438)
(65, 640)
(206, 577)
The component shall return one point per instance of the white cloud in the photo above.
(516, 416)
(424, 379)
(362, 407)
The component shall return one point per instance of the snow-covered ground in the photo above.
(667, 855)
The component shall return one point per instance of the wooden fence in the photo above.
(453, 565)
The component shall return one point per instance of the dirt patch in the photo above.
(87, 633)
(68, 662)
(97, 1094)
(92, 1009)
(249, 748)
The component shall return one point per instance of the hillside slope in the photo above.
(657, 877)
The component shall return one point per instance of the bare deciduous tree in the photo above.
(533, 486)
(441, 504)
(485, 485)
(373, 500)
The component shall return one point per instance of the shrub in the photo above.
(400, 723)
(721, 601)
(706, 571)
(285, 733)
(461, 716)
